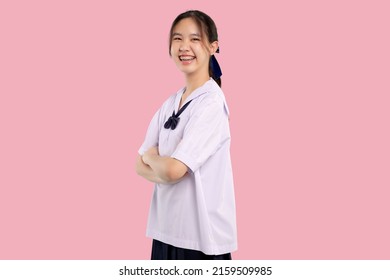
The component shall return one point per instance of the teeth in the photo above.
(186, 58)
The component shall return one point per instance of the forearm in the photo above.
(147, 172)
(167, 168)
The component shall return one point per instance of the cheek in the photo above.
(200, 51)
(201, 55)
(174, 48)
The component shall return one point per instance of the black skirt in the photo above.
(163, 251)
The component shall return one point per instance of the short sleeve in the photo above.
(204, 134)
(151, 138)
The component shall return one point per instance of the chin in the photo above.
(186, 71)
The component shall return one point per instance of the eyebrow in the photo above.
(179, 34)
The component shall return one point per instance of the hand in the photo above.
(153, 151)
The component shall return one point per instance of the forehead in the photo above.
(187, 26)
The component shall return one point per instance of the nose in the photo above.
(183, 46)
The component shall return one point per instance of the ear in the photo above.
(214, 47)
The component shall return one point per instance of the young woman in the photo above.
(186, 153)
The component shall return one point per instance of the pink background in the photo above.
(308, 88)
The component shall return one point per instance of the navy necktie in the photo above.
(173, 120)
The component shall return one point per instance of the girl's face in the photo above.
(189, 50)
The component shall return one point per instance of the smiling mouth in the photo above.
(186, 58)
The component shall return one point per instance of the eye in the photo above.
(176, 39)
(195, 39)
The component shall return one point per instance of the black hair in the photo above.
(205, 24)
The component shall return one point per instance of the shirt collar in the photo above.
(205, 88)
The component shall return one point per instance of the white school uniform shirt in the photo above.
(198, 212)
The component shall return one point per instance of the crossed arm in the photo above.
(158, 169)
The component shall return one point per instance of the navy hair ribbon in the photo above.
(215, 68)
(173, 120)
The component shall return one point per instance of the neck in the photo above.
(193, 82)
